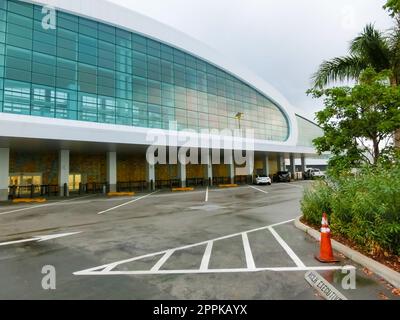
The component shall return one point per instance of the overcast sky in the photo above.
(283, 41)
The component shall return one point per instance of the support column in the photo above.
(293, 166)
(266, 165)
(182, 174)
(279, 162)
(151, 176)
(231, 166)
(112, 170)
(250, 168)
(4, 173)
(63, 172)
(303, 166)
(208, 172)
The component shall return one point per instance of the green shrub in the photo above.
(364, 208)
(317, 200)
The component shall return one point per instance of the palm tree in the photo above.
(371, 48)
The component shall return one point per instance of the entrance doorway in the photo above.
(74, 181)
(25, 179)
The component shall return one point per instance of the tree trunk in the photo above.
(397, 139)
(393, 82)
(376, 150)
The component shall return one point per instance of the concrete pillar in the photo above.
(250, 168)
(4, 173)
(293, 166)
(266, 165)
(231, 166)
(284, 168)
(303, 164)
(151, 176)
(279, 162)
(63, 172)
(208, 169)
(182, 174)
(112, 170)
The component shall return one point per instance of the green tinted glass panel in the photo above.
(90, 71)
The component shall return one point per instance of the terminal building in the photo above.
(78, 97)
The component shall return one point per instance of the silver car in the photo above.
(263, 180)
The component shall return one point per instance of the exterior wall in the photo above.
(91, 166)
(273, 166)
(131, 168)
(308, 131)
(90, 71)
(220, 170)
(166, 172)
(44, 163)
(195, 171)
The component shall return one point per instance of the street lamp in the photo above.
(239, 117)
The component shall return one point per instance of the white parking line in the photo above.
(206, 257)
(39, 238)
(194, 271)
(259, 189)
(249, 256)
(109, 267)
(288, 250)
(206, 195)
(161, 262)
(126, 203)
(44, 205)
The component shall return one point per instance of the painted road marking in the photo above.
(247, 250)
(163, 260)
(288, 250)
(205, 262)
(44, 205)
(206, 195)
(208, 271)
(259, 189)
(251, 267)
(39, 238)
(126, 203)
(324, 288)
(108, 267)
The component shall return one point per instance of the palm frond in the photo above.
(374, 47)
(339, 69)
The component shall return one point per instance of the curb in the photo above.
(386, 273)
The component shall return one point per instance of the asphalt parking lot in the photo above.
(237, 243)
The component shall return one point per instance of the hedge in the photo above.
(364, 208)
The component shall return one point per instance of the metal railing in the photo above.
(131, 186)
(94, 187)
(32, 191)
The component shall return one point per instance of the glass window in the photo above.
(92, 71)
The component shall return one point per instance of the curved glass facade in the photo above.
(89, 71)
(308, 131)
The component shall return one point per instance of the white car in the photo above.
(263, 180)
(314, 174)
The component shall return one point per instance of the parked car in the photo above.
(282, 176)
(263, 179)
(312, 174)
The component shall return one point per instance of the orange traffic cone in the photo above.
(326, 252)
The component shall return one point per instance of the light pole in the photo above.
(239, 117)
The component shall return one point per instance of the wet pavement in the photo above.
(169, 246)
